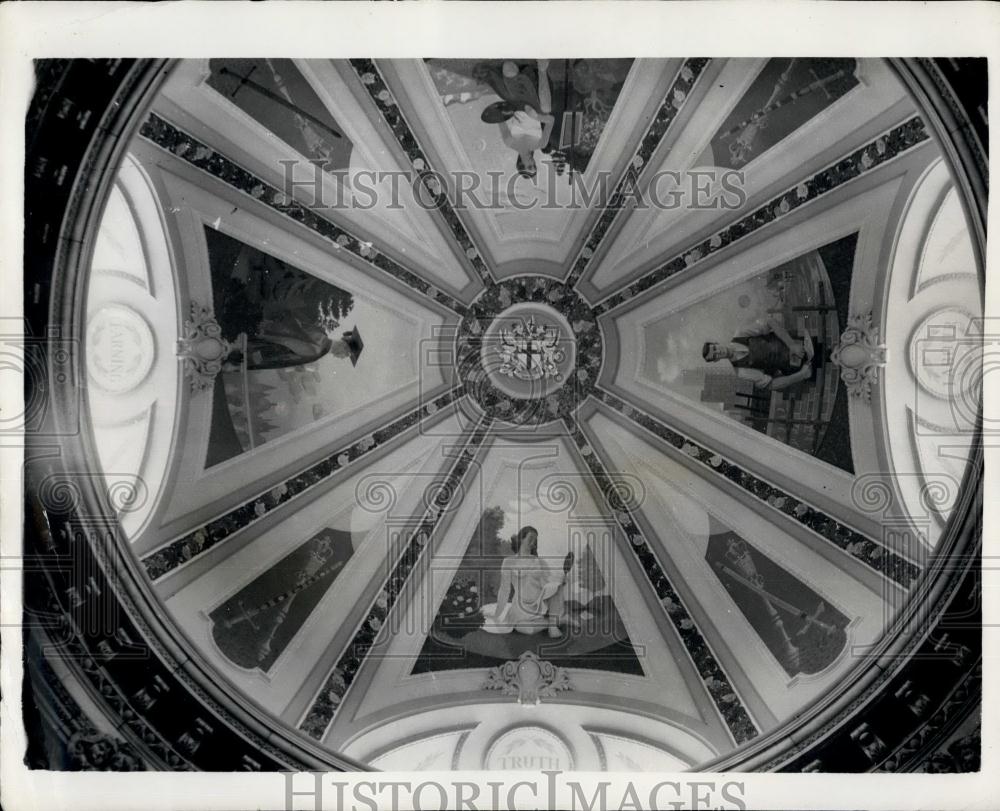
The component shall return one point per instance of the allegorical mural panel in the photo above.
(276, 95)
(297, 356)
(759, 352)
(517, 592)
(255, 625)
(802, 631)
(783, 97)
(519, 114)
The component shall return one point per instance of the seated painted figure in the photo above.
(530, 595)
(767, 354)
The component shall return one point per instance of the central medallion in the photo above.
(529, 350)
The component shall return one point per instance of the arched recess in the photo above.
(600, 740)
(133, 385)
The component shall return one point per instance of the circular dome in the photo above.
(661, 453)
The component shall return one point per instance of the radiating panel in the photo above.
(508, 596)
(803, 632)
(763, 122)
(759, 351)
(775, 610)
(296, 125)
(784, 96)
(320, 348)
(276, 94)
(268, 610)
(527, 135)
(301, 348)
(255, 625)
(574, 601)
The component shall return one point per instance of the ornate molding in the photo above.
(381, 95)
(529, 678)
(203, 349)
(859, 355)
(951, 756)
(625, 508)
(868, 550)
(189, 149)
(673, 102)
(546, 403)
(324, 706)
(889, 145)
(91, 751)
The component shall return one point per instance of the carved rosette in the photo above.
(202, 348)
(529, 678)
(859, 356)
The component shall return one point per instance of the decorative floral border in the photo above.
(199, 540)
(891, 144)
(378, 90)
(673, 102)
(857, 545)
(324, 706)
(174, 140)
(620, 503)
(589, 350)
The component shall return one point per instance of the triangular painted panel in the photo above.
(255, 625)
(298, 367)
(730, 352)
(468, 631)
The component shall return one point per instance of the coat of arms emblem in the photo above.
(530, 351)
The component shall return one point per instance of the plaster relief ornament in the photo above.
(529, 678)
(859, 356)
(530, 351)
(202, 348)
(121, 348)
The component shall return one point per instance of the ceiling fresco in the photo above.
(457, 444)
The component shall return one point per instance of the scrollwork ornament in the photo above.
(529, 678)
(859, 355)
(203, 349)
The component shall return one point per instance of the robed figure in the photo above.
(288, 318)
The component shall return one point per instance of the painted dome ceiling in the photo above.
(708, 327)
